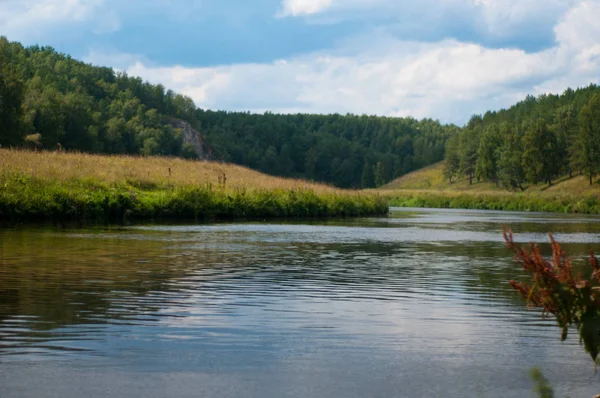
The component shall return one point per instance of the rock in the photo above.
(194, 138)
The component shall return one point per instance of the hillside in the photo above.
(432, 179)
(143, 172)
(536, 142)
(50, 100)
(429, 188)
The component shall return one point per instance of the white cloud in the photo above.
(376, 73)
(489, 18)
(434, 81)
(296, 8)
(579, 28)
(495, 11)
(32, 20)
(500, 16)
(117, 60)
(449, 80)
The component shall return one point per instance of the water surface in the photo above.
(414, 305)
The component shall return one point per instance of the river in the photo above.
(414, 305)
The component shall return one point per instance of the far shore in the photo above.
(43, 186)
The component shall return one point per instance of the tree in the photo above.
(269, 160)
(115, 130)
(368, 178)
(469, 146)
(554, 151)
(43, 106)
(379, 174)
(188, 151)
(589, 137)
(452, 158)
(150, 147)
(565, 128)
(285, 164)
(541, 154)
(510, 165)
(488, 154)
(11, 98)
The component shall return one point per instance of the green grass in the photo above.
(51, 186)
(26, 198)
(431, 178)
(428, 188)
(588, 204)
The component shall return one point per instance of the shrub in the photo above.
(572, 300)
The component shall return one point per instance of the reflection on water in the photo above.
(412, 305)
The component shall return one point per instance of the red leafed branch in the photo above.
(572, 300)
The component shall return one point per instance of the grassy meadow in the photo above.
(75, 186)
(432, 179)
(428, 188)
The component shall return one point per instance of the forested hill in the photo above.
(536, 141)
(50, 100)
(348, 151)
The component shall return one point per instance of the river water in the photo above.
(414, 305)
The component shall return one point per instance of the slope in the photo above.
(428, 188)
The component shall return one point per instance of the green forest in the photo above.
(49, 100)
(536, 141)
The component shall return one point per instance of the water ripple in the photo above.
(420, 287)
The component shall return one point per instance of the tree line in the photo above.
(348, 151)
(49, 100)
(536, 141)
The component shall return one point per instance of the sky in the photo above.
(440, 59)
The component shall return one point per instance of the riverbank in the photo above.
(584, 204)
(65, 186)
(429, 188)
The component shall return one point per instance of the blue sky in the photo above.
(444, 59)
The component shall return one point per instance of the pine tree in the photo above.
(541, 153)
(11, 98)
(379, 174)
(452, 158)
(488, 153)
(469, 145)
(368, 178)
(565, 128)
(589, 137)
(510, 165)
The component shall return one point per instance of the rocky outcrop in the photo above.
(194, 138)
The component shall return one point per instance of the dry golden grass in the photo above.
(431, 180)
(429, 177)
(74, 186)
(157, 171)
